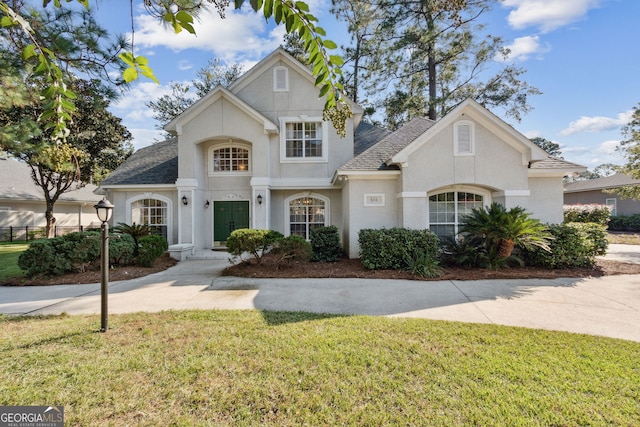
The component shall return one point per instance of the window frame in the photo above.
(229, 145)
(284, 121)
(287, 211)
(607, 202)
(456, 138)
(486, 200)
(168, 208)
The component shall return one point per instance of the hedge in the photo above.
(396, 248)
(574, 245)
(325, 244)
(600, 214)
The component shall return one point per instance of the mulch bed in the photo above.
(345, 268)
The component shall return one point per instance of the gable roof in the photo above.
(175, 125)
(613, 181)
(376, 157)
(156, 164)
(471, 108)
(16, 184)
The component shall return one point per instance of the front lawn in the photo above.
(288, 369)
(9, 254)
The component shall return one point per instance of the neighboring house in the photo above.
(591, 191)
(259, 155)
(22, 202)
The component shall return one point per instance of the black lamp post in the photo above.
(103, 210)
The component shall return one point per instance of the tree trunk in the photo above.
(505, 248)
(51, 221)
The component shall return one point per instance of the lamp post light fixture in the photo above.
(103, 210)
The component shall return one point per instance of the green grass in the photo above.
(9, 253)
(247, 368)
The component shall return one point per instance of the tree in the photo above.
(97, 143)
(504, 229)
(630, 147)
(180, 15)
(431, 54)
(167, 107)
(550, 147)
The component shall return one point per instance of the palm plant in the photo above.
(504, 229)
(135, 230)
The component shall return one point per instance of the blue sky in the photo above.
(582, 54)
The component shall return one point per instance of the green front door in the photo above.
(229, 216)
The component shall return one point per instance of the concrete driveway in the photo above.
(607, 306)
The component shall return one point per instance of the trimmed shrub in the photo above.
(600, 214)
(81, 250)
(625, 223)
(41, 258)
(574, 245)
(395, 248)
(252, 241)
(150, 249)
(325, 244)
(291, 248)
(122, 248)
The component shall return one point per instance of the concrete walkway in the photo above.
(607, 306)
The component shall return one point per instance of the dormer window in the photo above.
(464, 138)
(281, 79)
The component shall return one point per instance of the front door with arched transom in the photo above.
(229, 216)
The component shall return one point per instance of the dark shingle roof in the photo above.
(367, 135)
(155, 164)
(375, 157)
(613, 181)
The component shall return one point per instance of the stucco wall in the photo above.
(362, 216)
(495, 165)
(545, 202)
(32, 214)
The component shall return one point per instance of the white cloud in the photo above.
(597, 124)
(242, 33)
(523, 47)
(145, 137)
(547, 15)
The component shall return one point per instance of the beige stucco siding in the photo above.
(545, 202)
(495, 164)
(363, 214)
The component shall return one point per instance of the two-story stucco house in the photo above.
(259, 155)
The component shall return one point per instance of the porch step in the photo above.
(210, 254)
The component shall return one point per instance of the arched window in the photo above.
(229, 159)
(306, 213)
(151, 212)
(447, 210)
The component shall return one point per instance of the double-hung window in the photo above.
(304, 141)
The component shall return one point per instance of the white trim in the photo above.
(412, 194)
(511, 193)
(283, 140)
(276, 80)
(374, 199)
(231, 144)
(456, 138)
(287, 201)
(301, 183)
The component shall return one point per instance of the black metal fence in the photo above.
(26, 233)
